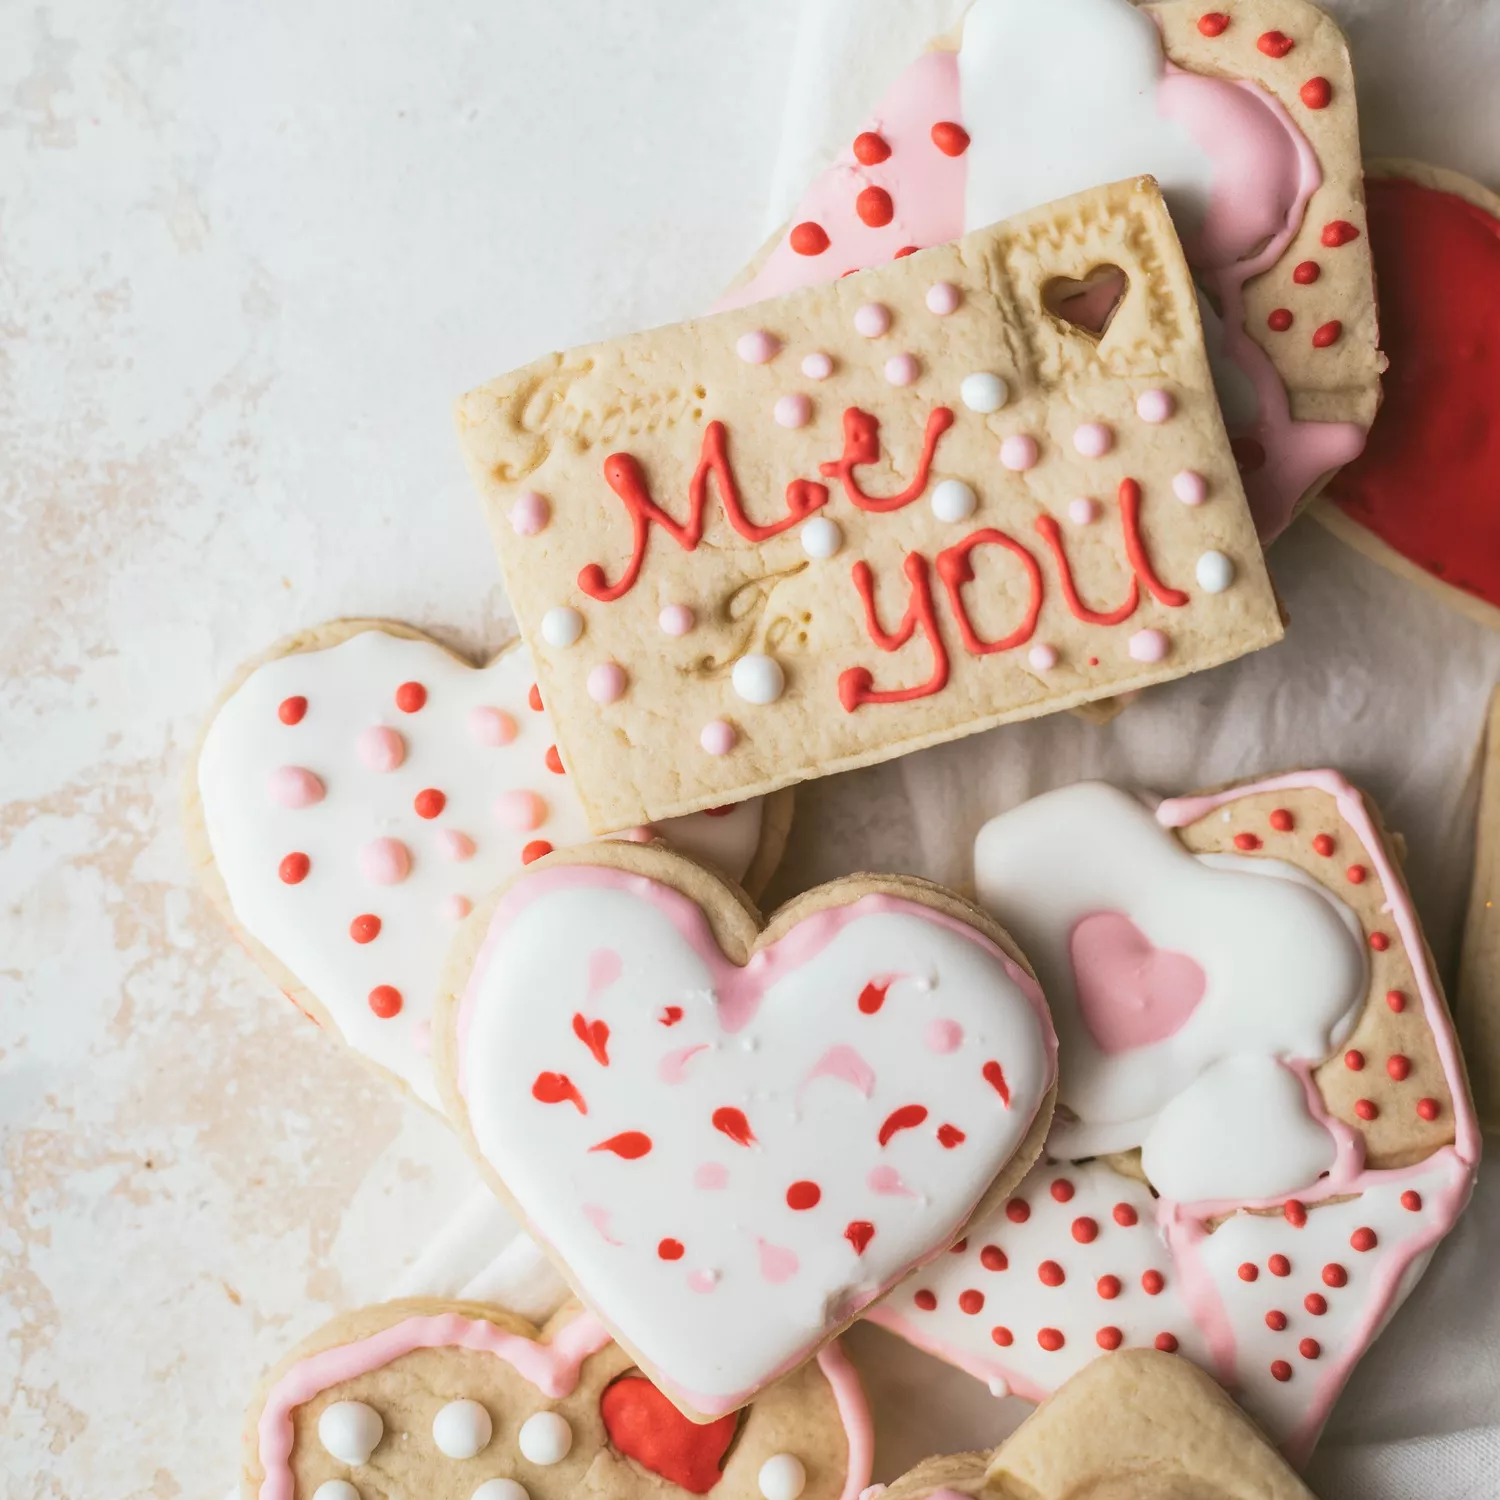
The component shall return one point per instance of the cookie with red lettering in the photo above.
(733, 1137)
(464, 1401)
(1263, 1122)
(1245, 113)
(1136, 1426)
(359, 786)
(1423, 499)
(914, 503)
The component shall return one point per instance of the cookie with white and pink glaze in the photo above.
(1244, 112)
(732, 1138)
(465, 1401)
(1264, 1126)
(359, 786)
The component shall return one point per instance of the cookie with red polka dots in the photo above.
(359, 786)
(1244, 112)
(1264, 1125)
(1136, 1426)
(821, 532)
(732, 1137)
(464, 1401)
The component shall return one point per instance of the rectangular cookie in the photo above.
(917, 502)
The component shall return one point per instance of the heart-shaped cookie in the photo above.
(359, 786)
(464, 1401)
(733, 1140)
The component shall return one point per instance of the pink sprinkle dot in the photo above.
(676, 619)
(703, 1280)
(817, 365)
(873, 320)
(491, 726)
(385, 861)
(455, 845)
(1093, 439)
(1042, 656)
(1019, 452)
(792, 411)
(1083, 511)
(902, 369)
(1149, 645)
(530, 514)
(294, 786)
(943, 1035)
(711, 1176)
(606, 682)
(1155, 406)
(381, 748)
(757, 347)
(456, 908)
(522, 811)
(942, 298)
(1190, 488)
(718, 737)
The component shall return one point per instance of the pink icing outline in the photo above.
(552, 1367)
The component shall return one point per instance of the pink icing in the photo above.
(1130, 992)
(902, 369)
(522, 811)
(294, 786)
(776, 1264)
(844, 1063)
(1149, 645)
(792, 411)
(385, 861)
(673, 1067)
(676, 619)
(944, 1036)
(1019, 452)
(711, 1176)
(530, 514)
(457, 846)
(757, 347)
(1190, 488)
(606, 682)
(887, 1181)
(604, 968)
(718, 738)
(381, 748)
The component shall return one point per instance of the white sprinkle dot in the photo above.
(561, 626)
(983, 392)
(792, 411)
(501, 1489)
(821, 537)
(350, 1431)
(1093, 439)
(817, 365)
(782, 1477)
(953, 500)
(676, 619)
(1215, 572)
(462, 1429)
(545, 1437)
(873, 320)
(1149, 645)
(1042, 656)
(335, 1489)
(758, 679)
(942, 298)
(1082, 511)
(902, 369)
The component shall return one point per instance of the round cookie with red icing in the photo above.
(1421, 498)
(359, 787)
(1264, 1124)
(733, 1138)
(464, 1401)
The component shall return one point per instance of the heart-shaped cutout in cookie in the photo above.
(1130, 992)
(759, 1149)
(1087, 305)
(643, 1425)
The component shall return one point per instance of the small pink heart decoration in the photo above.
(1130, 992)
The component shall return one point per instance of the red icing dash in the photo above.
(971, 1301)
(1279, 319)
(1109, 1337)
(1062, 1190)
(1281, 820)
(554, 761)
(630, 1144)
(1152, 1282)
(1002, 1336)
(429, 802)
(907, 1117)
(595, 1036)
(1306, 272)
(1309, 1348)
(1327, 334)
(1125, 1215)
(1411, 1201)
(557, 1088)
(859, 1233)
(534, 698)
(1275, 43)
(293, 869)
(870, 148)
(385, 1001)
(950, 1136)
(1356, 874)
(874, 207)
(1363, 1239)
(732, 1122)
(1338, 232)
(1398, 1066)
(1017, 1210)
(410, 697)
(1316, 1303)
(1050, 1339)
(1366, 1109)
(535, 850)
(1167, 1343)
(950, 138)
(291, 710)
(1276, 1321)
(1213, 23)
(1249, 1271)
(1296, 1212)
(670, 1015)
(1322, 844)
(1379, 942)
(994, 1075)
(1335, 1275)
(670, 1249)
(872, 997)
(1108, 1287)
(1281, 1370)
(1279, 1265)
(1354, 1060)
(1396, 1000)
(925, 1300)
(1429, 1109)
(365, 928)
(1247, 841)
(993, 1258)
(1316, 93)
(802, 1196)
(1049, 1273)
(808, 238)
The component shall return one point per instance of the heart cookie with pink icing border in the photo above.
(732, 1139)
(359, 786)
(464, 1401)
(1257, 1184)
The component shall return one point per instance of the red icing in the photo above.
(808, 238)
(955, 569)
(1279, 319)
(535, 850)
(630, 1144)
(1366, 1109)
(1335, 1275)
(1316, 1303)
(365, 928)
(1309, 1348)
(1327, 334)
(1085, 1230)
(1279, 1265)
(872, 997)
(1354, 1060)
(1398, 1067)
(1002, 1336)
(1050, 1339)
(1428, 1109)
(429, 802)
(385, 1001)
(1363, 1240)
(670, 1015)
(1316, 93)
(870, 148)
(1396, 1000)
(874, 207)
(950, 138)
(557, 1088)
(553, 761)
(1276, 1321)
(293, 868)
(1049, 1273)
(1306, 272)
(410, 697)
(925, 1300)
(1322, 844)
(644, 1426)
(1167, 1343)
(856, 684)
(1061, 1190)
(1108, 1287)
(1213, 23)
(1275, 43)
(1109, 1337)
(1125, 1215)
(1152, 1282)
(1018, 1210)
(1281, 1370)
(1379, 942)
(1411, 1201)
(971, 1301)
(1282, 821)
(534, 698)
(1356, 874)
(950, 1136)
(803, 1195)
(291, 710)
(862, 446)
(595, 1036)
(670, 1249)
(730, 1121)
(907, 1117)
(1296, 1212)
(1249, 1271)
(1337, 232)
(993, 1258)
(859, 1233)
(994, 1075)
(1051, 533)
(1246, 841)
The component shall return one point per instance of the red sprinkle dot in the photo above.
(1316, 93)
(554, 761)
(365, 929)
(670, 1249)
(1281, 1369)
(1428, 1109)
(1246, 841)
(1327, 334)
(536, 849)
(904, 251)
(1338, 232)
(951, 139)
(874, 206)
(1085, 1230)
(1379, 942)
(958, 1247)
(1249, 1270)
(1398, 1067)
(291, 710)
(1411, 1201)
(293, 869)
(1335, 1275)
(1354, 1060)
(950, 1136)
(1003, 1336)
(925, 1300)
(971, 1301)
(803, 1195)
(1109, 1338)
(429, 802)
(1363, 1239)
(1279, 319)
(1213, 23)
(534, 698)
(1108, 1287)
(993, 1258)
(808, 238)
(1279, 1265)
(1367, 1109)
(385, 1001)
(1049, 1273)
(1050, 1339)
(1296, 1212)
(1282, 821)
(1275, 43)
(870, 147)
(1275, 1321)
(1062, 1190)
(1396, 1000)
(1152, 1282)
(1306, 272)
(1125, 1215)
(1356, 874)
(1018, 1210)
(1322, 844)
(1316, 1303)
(1309, 1348)
(410, 696)
(1167, 1343)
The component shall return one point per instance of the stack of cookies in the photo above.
(1167, 1107)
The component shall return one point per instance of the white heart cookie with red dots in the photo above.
(1246, 116)
(1243, 993)
(464, 1401)
(733, 1140)
(359, 787)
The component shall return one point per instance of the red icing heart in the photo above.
(643, 1425)
(1130, 992)
(1425, 484)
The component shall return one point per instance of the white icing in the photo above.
(758, 679)
(545, 1438)
(350, 1431)
(561, 626)
(821, 537)
(953, 500)
(815, 1077)
(457, 744)
(983, 391)
(782, 1477)
(501, 1489)
(462, 1428)
(1283, 973)
(1215, 572)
